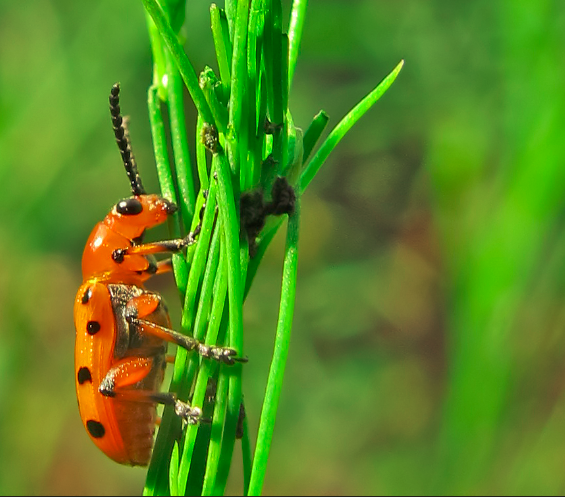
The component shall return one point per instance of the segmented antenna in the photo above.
(122, 139)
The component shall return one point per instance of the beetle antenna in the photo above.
(122, 139)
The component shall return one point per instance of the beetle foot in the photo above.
(190, 415)
(221, 354)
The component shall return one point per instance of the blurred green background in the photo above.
(428, 342)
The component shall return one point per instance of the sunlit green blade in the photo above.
(185, 67)
(280, 354)
(297, 16)
(344, 126)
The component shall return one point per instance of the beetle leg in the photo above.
(174, 246)
(164, 266)
(220, 354)
(127, 372)
(142, 306)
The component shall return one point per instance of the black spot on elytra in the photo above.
(84, 375)
(87, 295)
(118, 255)
(95, 428)
(92, 327)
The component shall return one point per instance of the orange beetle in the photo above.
(122, 328)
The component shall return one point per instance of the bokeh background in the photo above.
(429, 337)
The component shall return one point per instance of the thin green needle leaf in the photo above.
(208, 83)
(231, 13)
(238, 86)
(160, 147)
(215, 447)
(201, 160)
(228, 213)
(230, 221)
(297, 16)
(222, 45)
(344, 126)
(208, 285)
(175, 10)
(246, 456)
(158, 52)
(254, 44)
(282, 342)
(313, 133)
(165, 176)
(198, 263)
(183, 164)
(210, 296)
(174, 471)
(183, 63)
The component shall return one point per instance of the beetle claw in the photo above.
(190, 415)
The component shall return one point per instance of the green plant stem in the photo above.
(313, 134)
(183, 63)
(254, 41)
(246, 456)
(215, 447)
(174, 470)
(230, 222)
(222, 45)
(345, 125)
(201, 161)
(231, 12)
(214, 283)
(282, 341)
(183, 165)
(297, 16)
(237, 106)
(160, 147)
(208, 81)
(180, 269)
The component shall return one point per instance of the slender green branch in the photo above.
(230, 221)
(257, 63)
(208, 83)
(313, 133)
(237, 105)
(183, 165)
(201, 160)
(297, 16)
(282, 341)
(214, 282)
(174, 471)
(183, 63)
(222, 45)
(166, 179)
(246, 456)
(344, 126)
(215, 447)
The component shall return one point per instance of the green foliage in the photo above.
(246, 124)
(427, 345)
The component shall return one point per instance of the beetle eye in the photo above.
(129, 207)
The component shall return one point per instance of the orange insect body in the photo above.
(122, 328)
(122, 429)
